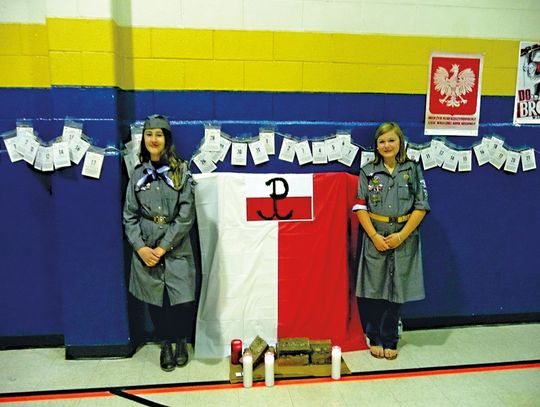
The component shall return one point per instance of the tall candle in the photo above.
(247, 369)
(336, 362)
(269, 369)
(236, 351)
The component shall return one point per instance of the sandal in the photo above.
(390, 354)
(374, 351)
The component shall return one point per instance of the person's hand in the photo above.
(380, 243)
(148, 256)
(159, 251)
(393, 240)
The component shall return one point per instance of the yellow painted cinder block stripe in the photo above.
(244, 45)
(82, 52)
(98, 69)
(218, 75)
(81, 35)
(10, 39)
(184, 44)
(134, 42)
(34, 39)
(66, 68)
(166, 74)
(309, 47)
(25, 71)
(273, 76)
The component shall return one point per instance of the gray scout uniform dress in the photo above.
(394, 275)
(176, 270)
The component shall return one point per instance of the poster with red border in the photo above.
(453, 97)
(527, 99)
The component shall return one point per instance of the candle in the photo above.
(247, 371)
(269, 369)
(236, 351)
(336, 362)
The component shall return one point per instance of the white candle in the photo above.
(247, 369)
(269, 369)
(336, 362)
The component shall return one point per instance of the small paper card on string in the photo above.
(481, 151)
(268, 138)
(131, 160)
(10, 140)
(29, 147)
(499, 157)
(439, 149)
(303, 152)
(258, 152)
(239, 154)
(319, 152)
(136, 138)
(93, 162)
(348, 154)
(224, 145)
(77, 148)
(451, 159)
(212, 136)
(61, 154)
(528, 160)
(333, 148)
(428, 158)
(512, 161)
(287, 150)
(413, 154)
(465, 161)
(38, 162)
(495, 144)
(345, 137)
(71, 130)
(204, 162)
(366, 157)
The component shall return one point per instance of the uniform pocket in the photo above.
(404, 191)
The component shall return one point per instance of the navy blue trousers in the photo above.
(173, 322)
(380, 319)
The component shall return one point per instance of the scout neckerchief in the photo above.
(152, 174)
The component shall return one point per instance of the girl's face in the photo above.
(154, 140)
(388, 145)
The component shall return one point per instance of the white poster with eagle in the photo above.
(453, 97)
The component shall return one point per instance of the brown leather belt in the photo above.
(390, 219)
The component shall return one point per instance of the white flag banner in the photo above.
(263, 237)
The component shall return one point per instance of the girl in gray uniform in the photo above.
(392, 201)
(158, 215)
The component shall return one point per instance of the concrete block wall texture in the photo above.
(311, 67)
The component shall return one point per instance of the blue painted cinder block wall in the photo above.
(62, 242)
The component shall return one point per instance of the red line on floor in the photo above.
(227, 386)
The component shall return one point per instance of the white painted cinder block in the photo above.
(156, 13)
(96, 8)
(22, 11)
(62, 8)
(340, 17)
(217, 14)
(273, 15)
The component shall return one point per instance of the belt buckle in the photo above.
(392, 219)
(160, 220)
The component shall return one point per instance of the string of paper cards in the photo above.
(24, 144)
(439, 152)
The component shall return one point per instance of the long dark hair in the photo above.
(167, 157)
(401, 156)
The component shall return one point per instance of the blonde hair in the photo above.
(384, 128)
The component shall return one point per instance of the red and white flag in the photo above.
(275, 259)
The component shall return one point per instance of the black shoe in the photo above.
(181, 354)
(166, 359)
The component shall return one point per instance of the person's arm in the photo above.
(182, 223)
(132, 219)
(395, 239)
(377, 239)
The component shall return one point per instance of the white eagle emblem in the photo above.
(453, 87)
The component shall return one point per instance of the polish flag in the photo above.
(275, 253)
